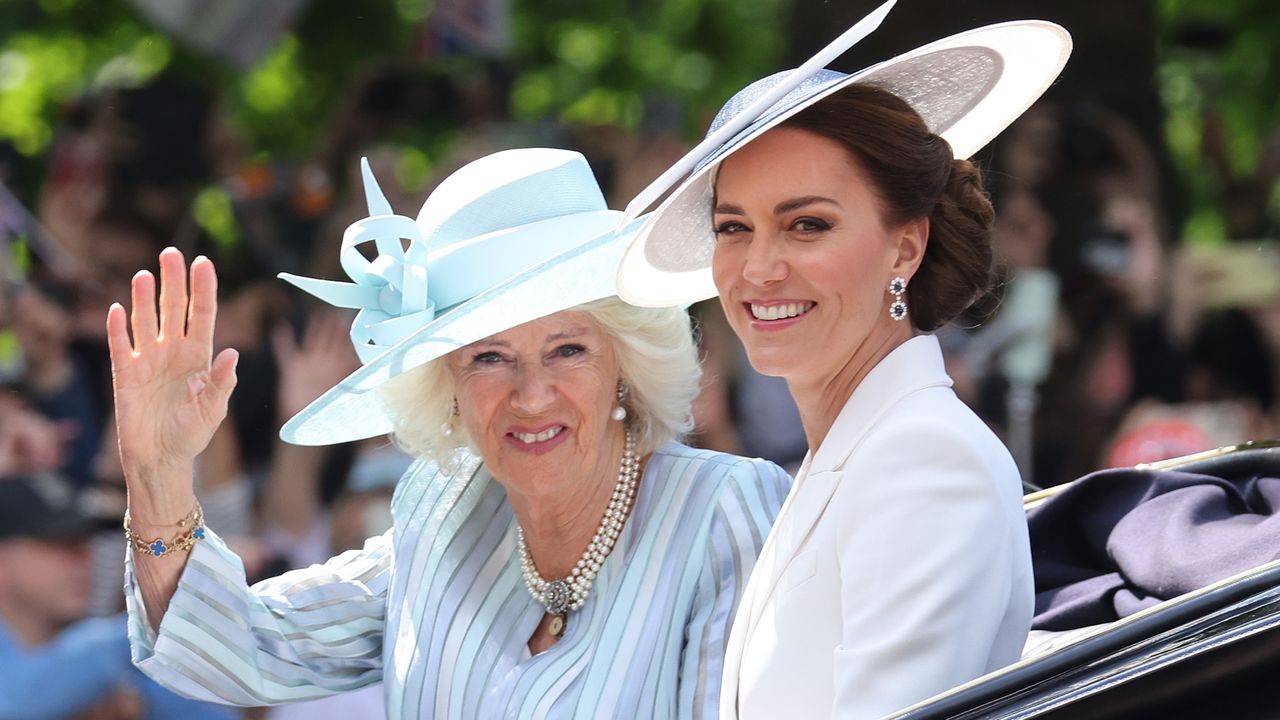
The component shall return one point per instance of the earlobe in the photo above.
(913, 238)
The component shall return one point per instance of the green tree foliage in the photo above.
(606, 62)
(1219, 76)
(598, 62)
(56, 49)
(601, 62)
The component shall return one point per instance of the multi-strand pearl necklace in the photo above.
(569, 593)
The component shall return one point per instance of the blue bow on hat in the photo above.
(390, 291)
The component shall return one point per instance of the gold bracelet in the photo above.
(182, 542)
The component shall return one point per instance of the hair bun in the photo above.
(957, 266)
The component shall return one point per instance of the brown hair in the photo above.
(915, 176)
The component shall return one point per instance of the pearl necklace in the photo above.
(569, 593)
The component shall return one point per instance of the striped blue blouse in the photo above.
(436, 609)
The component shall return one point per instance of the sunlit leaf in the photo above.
(213, 213)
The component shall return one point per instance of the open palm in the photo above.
(170, 393)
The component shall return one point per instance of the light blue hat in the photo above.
(967, 87)
(507, 239)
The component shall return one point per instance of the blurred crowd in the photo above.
(1107, 340)
(1135, 344)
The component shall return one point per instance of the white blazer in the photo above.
(899, 566)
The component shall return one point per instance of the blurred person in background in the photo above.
(54, 663)
(29, 441)
(1078, 204)
(57, 381)
(1224, 294)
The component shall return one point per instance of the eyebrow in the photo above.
(567, 335)
(728, 209)
(787, 206)
(781, 208)
(554, 337)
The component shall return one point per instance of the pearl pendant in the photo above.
(556, 626)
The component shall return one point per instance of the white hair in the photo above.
(657, 360)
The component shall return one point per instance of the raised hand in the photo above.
(170, 393)
(291, 495)
(324, 357)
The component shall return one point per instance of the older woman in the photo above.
(839, 229)
(555, 553)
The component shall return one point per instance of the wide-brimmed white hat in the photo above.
(967, 87)
(507, 239)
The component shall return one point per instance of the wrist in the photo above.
(152, 517)
(181, 535)
(158, 497)
(157, 476)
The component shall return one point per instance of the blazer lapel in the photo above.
(806, 504)
(809, 501)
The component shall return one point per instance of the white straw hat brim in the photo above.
(968, 88)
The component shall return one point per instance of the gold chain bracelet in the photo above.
(193, 531)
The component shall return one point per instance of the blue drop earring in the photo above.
(898, 308)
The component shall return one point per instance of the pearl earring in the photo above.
(620, 412)
(898, 308)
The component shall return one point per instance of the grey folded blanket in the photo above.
(1119, 541)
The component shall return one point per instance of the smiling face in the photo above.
(804, 257)
(536, 401)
